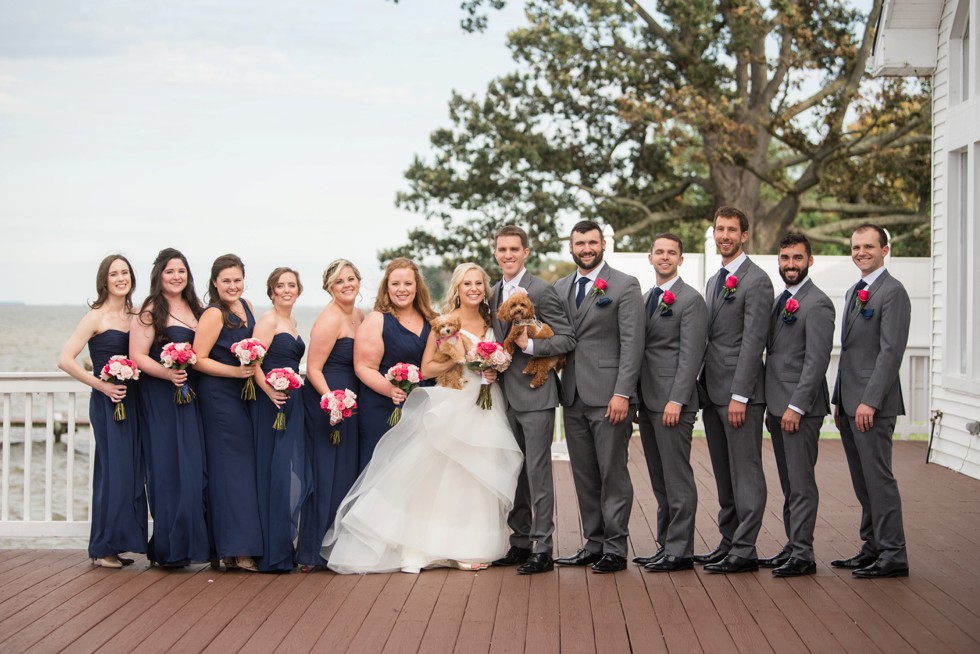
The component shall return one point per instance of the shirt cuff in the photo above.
(677, 403)
(798, 410)
(621, 395)
(740, 398)
(529, 350)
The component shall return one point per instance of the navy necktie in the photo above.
(722, 276)
(782, 301)
(582, 281)
(655, 300)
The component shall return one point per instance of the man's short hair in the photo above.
(584, 226)
(795, 238)
(732, 212)
(882, 235)
(670, 237)
(511, 230)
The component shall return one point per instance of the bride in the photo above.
(441, 483)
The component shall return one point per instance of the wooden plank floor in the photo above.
(56, 601)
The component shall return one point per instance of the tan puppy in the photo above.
(519, 312)
(451, 345)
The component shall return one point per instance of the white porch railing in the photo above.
(47, 497)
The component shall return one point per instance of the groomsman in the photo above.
(734, 381)
(868, 399)
(530, 411)
(676, 317)
(605, 307)
(801, 336)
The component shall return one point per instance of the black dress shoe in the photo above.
(795, 567)
(881, 569)
(580, 558)
(609, 563)
(537, 563)
(732, 564)
(670, 563)
(643, 560)
(714, 556)
(515, 556)
(859, 560)
(775, 561)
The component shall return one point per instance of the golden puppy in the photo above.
(518, 310)
(451, 345)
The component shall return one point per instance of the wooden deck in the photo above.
(56, 601)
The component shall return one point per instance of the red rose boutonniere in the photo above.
(665, 302)
(599, 287)
(789, 311)
(862, 298)
(731, 285)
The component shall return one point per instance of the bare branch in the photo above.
(653, 218)
(658, 30)
(882, 221)
(854, 208)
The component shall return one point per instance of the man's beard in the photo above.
(804, 271)
(595, 262)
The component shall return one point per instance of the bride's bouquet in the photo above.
(406, 377)
(487, 355)
(248, 350)
(283, 380)
(339, 404)
(119, 370)
(180, 356)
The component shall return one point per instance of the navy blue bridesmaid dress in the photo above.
(282, 473)
(173, 445)
(401, 346)
(118, 495)
(233, 504)
(334, 467)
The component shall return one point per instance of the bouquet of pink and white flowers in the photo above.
(487, 355)
(248, 350)
(119, 370)
(179, 356)
(406, 377)
(283, 380)
(339, 404)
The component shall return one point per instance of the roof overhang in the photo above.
(907, 38)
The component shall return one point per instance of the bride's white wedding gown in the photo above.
(437, 491)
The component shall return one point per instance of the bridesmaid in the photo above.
(172, 434)
(395, 332)
(118, 497)
(329, 367)
(281, 474)
(233, 505)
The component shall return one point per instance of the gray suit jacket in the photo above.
(872, 349)
(516, 386)
(606, 359)
(737, 333)
(798, 354)
(674, 350)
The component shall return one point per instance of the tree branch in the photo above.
(853, 208)
(881, 221)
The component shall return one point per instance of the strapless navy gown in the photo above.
(118, 494)
(282, 475)
(334, 467)
(233, 505)
(173, 445)
(401, 346)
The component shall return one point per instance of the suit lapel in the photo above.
(590, 297)
(719, 299)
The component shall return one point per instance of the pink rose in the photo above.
(601, 284)
(792, 305)
(668, 298)
(731, 283)
(863, 295)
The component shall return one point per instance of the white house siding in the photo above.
(953, 446)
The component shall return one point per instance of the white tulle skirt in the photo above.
(437, 491)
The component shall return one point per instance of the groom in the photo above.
(530, 411)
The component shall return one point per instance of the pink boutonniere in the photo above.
(789, 311)
(599, 287)
(731, 285)
(666, 301)
(862, 298)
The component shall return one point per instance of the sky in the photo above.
(277, 131)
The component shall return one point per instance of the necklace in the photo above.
(181, 321)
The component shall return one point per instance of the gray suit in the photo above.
(737, 329)
(675, 340)
(605, 362)
(531, 413)
(872, 348)
(797, 358)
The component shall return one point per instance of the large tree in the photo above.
(646, 117)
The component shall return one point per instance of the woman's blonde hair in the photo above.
(452, 293)
(332, 273)
(423, 299)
